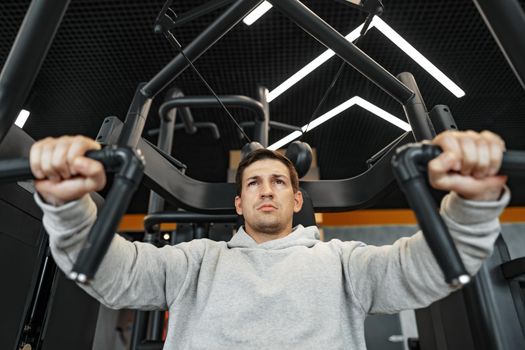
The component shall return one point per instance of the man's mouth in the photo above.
(267, 207)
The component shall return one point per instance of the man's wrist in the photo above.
(51, 200)
(485, 196)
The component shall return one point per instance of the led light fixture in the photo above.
(417, 56)
(391, 34)
(356, 100)
(310, 67)
(22, 118)
(257, 13)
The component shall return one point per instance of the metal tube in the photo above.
(135, 119)
(332, 39)
(415, 110)
(372, 160)
(283, 126)
(506, 21)
(442, 119)
(216, 30)
(26, 57)
(139, 329)
(152, 221)
(407, 165)
(127, 180)
(199, 11)
(210, 101)
(157, 325)
(156, 202)
(164, 143)
(262, 127)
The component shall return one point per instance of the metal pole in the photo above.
(506, 21)
(222, 25)
(442, 119)
(332, 39)
(135, 119)
(26, 57)
(199, 11)
(156, 202)
(415, 110)
(261, 127)
(237, 101)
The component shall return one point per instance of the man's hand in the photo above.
(63, 173)
(468, 165)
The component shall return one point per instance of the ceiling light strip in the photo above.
(356, 100)
(310, 67)
(391, 34)
(22, 118)
(257, 13)
(381, 113)
(417, 56)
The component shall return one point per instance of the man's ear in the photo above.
(238, 207)
(298, 201)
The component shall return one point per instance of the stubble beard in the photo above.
(270, 226)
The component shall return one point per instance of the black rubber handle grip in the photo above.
(18, 169)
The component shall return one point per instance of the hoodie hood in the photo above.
(300, 236)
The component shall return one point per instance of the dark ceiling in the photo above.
(103, 49)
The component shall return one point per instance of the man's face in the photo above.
(267, 201)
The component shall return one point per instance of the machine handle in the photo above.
(129, 168)
(409, 165)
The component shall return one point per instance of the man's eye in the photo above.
(251, 183)
(280, 182)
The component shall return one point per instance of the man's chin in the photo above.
(269, 228)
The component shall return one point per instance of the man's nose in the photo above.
(266, 190)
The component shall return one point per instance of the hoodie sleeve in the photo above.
(405, 275)
(131, 275)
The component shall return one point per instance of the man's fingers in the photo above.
(34, 160)
(92, 171)
(478, 157)
(469, 155)
(496, 149)
(46, 158)
(481, 168)
(56, 164)
(450, 144)
(70, 189)
(79, 146)
(443, 164)
(59, 160)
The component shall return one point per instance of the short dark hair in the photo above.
(261, 154)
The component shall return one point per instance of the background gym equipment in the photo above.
(363, 190)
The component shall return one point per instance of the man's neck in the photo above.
(261, 237)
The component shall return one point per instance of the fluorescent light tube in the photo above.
(391, 34)
(22, 118)
(381, 113)
(257, 13)
(417, 56)
(329, 115)
(310, 67)
(356, 100)
(285, 140)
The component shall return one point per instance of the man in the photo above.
(273, 286)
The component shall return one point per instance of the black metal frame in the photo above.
(206, 197)
(505, 19)
(26, 57)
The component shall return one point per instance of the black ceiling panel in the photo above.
(104, 49)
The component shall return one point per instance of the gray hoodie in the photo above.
(290, 293)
